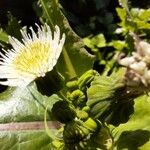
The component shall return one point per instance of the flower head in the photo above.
(138, 65)
(36, 55)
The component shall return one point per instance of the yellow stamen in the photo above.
(33, 57)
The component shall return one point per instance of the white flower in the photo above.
(126, 61)
(139, 67)
(36, 55)
(144, 48)
(147, 75)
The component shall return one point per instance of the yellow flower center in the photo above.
(33, 58)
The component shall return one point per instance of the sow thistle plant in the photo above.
(95, 111)
(32, 58)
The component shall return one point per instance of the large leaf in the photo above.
(75, 60)
(24, 140)
(24, 105)
(135, 134)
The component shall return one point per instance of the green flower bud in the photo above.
(86, 79)
(78, 98)
(86, 109)
(82, 114)
(75, 135)
(91, 124)
(72, 85)
(57, 144)
(88, 135)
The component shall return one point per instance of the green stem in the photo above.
(69, 65)
(70, 68)
(47, 14)
(60, 94)
(49, 131)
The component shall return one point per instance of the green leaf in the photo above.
(3, 36)
(141, 18)
(145, 14)
(75, 60)
(102, 88)
(135, 134)
(99, 40)
(88, 43)
(121, 13)
(18, 105)
(118, 45)
(24, 140)
(141, 14)
(107, 97)
(135, 20)
(26, 106)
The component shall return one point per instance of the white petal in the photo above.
(126, 61)
(16, 44)
(12, 82)
(144, 47)
(139, 67)
(34, 36)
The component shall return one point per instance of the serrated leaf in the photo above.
(135, 134)
(106, 96)
(103, 88)
(75, 60)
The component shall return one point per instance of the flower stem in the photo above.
(69, 65)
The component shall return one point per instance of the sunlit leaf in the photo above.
(24, 140)
(106, 96)
(18, 105)
(3, 36)
(135, 134)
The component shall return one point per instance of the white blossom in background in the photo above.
(138, 65)
(36, 55)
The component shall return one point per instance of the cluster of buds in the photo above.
(138, 65)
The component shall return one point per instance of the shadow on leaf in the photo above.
(131, 140)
